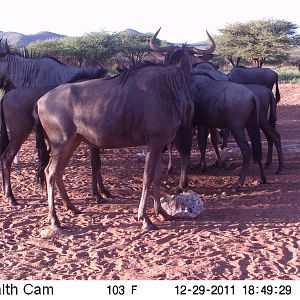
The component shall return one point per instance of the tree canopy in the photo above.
(96, 48)
(257, 41)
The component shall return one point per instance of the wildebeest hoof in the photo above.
(51, 232)
(217, 163)
(75, 212)
(167, 217)
(237, 188)
(149, 226)
(101, 200)
(194, 166)
(169, 171)
(13, 202)
(279, 172)
(268, 165)
(264, 181)
(107, 194)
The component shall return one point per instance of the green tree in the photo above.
(52, 47)
(257, 41)
(134, 47)
(96, 48)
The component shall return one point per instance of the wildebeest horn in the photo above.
(156, 48)
(192, 48)
(210, 50)
(7, 49)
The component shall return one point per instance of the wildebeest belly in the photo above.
(209, 114)
(115, 124)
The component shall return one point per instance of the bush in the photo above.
(288, 75)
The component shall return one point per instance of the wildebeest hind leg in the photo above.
(62, 161)
(273, 136)
(268, 163)
(240, 138)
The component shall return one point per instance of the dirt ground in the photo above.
(254, 234)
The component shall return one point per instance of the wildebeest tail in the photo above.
(4, 139)
(184, 135)
(43, 154)
(273, 110)
(277, 93)
(255, 131)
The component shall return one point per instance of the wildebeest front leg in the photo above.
(169, 169)
(273, 136)
(156, 187)
(62, 160)
(154, 149)
(66, 200)
(225, 136)
(214, 141)
(202, 144)
(268, 163)
(97, 180)
(50, 181)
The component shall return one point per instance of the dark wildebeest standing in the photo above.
(145, 105)
(38, 75)
(267, 101)
(21, 102)
(223, 104)
(261, 76)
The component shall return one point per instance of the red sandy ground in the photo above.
(250, 235)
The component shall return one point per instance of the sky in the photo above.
(181, 21)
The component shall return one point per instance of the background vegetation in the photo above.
(259, 43)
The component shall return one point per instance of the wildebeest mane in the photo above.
(203, 73)
(24, 52)
(100, 73)
(132, 70)
(206, 62)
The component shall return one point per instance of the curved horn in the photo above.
(7, 49)
(210, 50)
(155, 47)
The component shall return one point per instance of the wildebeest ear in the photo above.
(207, 57)
(159, 57)
(201, 58)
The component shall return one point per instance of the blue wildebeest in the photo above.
(42, 74)
(144, 105)
(261, 76)
(223, 104)
(20, 102)
(267, 102)
(25, 71)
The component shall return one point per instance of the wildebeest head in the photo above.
(197, 55)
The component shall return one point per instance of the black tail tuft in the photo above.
(43, 154)
(4, 139)
(254, 135)
(273, 110)
(277, 93)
